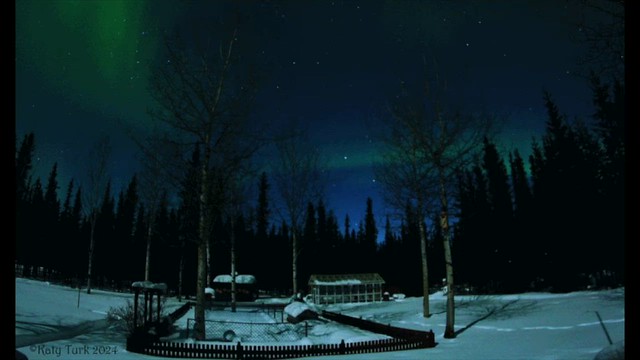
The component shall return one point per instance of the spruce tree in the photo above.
(370, 237)
(24, 158)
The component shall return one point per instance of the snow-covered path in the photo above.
(54, 332)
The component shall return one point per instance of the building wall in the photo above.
(338, 294)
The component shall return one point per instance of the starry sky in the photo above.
(82, 70)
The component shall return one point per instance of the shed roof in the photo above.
(162, 287)
(346, 279)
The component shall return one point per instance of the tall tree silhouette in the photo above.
(297, 175)
(124, 228)
(50, 221)
(24, 238)
(202, 101)
(97, 182)
(501, 216)
(370, 237)
(24, 158)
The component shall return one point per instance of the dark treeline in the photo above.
(52, 236)
(554, 221)
(559, 226)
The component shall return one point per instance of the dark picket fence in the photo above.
(394, 332)
(240, 351)
(401, 339)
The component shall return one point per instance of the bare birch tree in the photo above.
(443, 142)
(297, 178)
(201, 102)
(97, 181)
(407, 178)
(153, 186)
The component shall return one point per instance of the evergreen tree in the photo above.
(139, 243)
(38, 236)
(437, 274)
(49, 222)
(411, 275)
(347, 229)
(24, 158)
(67, 233)
(307, 260)
(609, 102)
(65, 213)
(523, 220)
(24, 230)
(263, 207)
(501, 216)
(105, 253)
(160, 251)
(78, 250)
(124, 228)
(51, 195)
(321, 223)
(370, 238)
(520, 183)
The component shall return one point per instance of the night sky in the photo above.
(82, 70)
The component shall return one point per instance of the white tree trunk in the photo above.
(147, 263)
(425, 269)
(201, 284)
(180, 272)
(199, 327)
(233, 267)
(294, 262)
(91, 245)
(449, 331)
(208, 263)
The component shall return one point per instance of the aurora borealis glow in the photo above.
(82, 69)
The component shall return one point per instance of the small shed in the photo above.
(346, 288)
(246, 287)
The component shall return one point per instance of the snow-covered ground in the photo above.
(525, 326)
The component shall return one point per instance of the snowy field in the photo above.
(524, 326)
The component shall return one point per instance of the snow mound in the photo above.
(296, 308)
(612, 352)
(299, 311)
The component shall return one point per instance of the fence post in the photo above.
(239, 354)
(342, 347)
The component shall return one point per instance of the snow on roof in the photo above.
(346, 279)
(240, 279)
(296, 308)
(149, 285)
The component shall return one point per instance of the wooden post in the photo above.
(239, 354)
(604, 328)
(144, 315)
(135, 308)
(158, 308)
